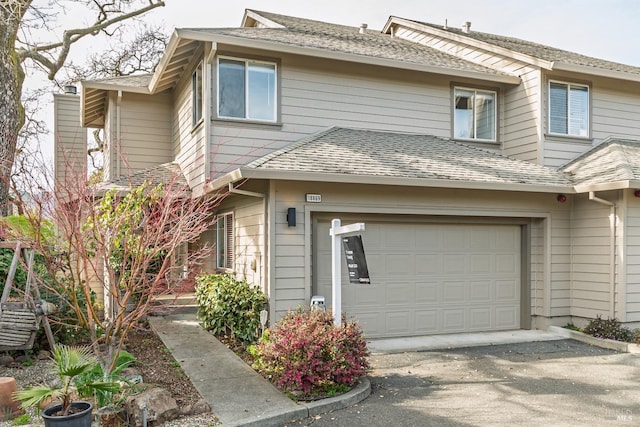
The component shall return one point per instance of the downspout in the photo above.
(612, 250)
(118, 134)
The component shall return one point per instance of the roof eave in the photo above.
(583, 69)
(249, 173)
(166, 58)
(607, 186)
(341, 56)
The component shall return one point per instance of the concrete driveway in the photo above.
(552, 383)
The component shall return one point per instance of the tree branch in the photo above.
(71, 36)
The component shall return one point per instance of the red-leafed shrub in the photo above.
(308, 356)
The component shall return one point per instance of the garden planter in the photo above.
(79, 419)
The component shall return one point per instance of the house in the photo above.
(497, 178)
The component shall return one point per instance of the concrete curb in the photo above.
(357, 394)
(624, 347)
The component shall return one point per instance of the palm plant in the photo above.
(70, 363)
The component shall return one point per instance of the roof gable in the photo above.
(547, 57)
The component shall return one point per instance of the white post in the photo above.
(336, 274)
(336, 233)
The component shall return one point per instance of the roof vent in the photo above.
(363, 28)
(466, 27)
(446, 26)
(70, 90)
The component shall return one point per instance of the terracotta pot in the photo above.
(9, 406)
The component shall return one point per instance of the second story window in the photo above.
(246, 89)
(474, 114)
(568, 109)
(196, 95)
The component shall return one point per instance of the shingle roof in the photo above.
(388, 154)
(340, 38)
(166, 173)
(539, 51)
(613, 160)
(139, 80)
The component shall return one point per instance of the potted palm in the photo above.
(70, 364)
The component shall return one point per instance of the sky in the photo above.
(606, 29)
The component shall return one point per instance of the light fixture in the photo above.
(561, 198)
(291, 217)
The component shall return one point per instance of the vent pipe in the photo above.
(446, 26)
(466, 27)
(363, 28)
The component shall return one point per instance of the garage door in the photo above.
(429, 278)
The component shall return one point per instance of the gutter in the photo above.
(612, 250)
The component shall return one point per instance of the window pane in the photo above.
(485, 116)
(579, 110)
(231, 88)
(262, 80)
(558, 108)
(463, 117)
(196, 89)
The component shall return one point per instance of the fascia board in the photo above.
(327, 54)
(114, 86)
(470, 41)
(164, 61)
(617, 185)
(248, 173)
(583, 69)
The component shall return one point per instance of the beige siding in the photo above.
(145, 131)
(549, 271)
(318, 94)
(249, 237)
(590, 258)
(521, 133)
(632, 259)
(187, 141)
(70, 139)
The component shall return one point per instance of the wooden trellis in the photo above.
(20, 320)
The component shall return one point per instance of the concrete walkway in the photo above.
(236, 393)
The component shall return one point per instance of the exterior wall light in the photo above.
(291, 217)
(561, 198)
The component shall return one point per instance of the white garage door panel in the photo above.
(430, 278)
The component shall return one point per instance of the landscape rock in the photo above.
(43, 355)
(6, 360)
(159, 404)
(199, 407)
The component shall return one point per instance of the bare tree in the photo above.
(17, 19)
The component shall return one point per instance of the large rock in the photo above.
(159, 404)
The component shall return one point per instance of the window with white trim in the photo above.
(247, 89)
(196, 95)
(224, 241)
(475, 113)
(568, 109)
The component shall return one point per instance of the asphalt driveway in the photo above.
(551, 383)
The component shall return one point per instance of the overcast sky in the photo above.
(606, 29)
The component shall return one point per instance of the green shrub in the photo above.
(610, 329)
(306, 354)
(229, 306)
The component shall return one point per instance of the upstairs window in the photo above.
(474, 114)
(246, 89)
(224, 241)
(196, 95)
(568, 109)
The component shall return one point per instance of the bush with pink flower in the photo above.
(306, 355)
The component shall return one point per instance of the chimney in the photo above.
(70, 90)
(466, 27)
(70, 140)
(363, 28)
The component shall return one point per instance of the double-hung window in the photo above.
(196, 95)
(475, 113)
(568, 109)
(247, 89)
(224, 241)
